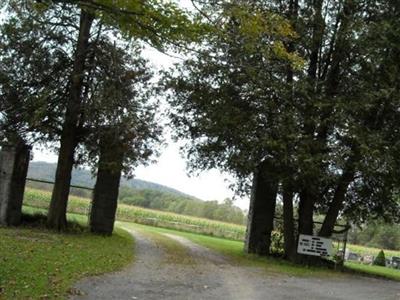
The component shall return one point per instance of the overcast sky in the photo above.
(170, 169)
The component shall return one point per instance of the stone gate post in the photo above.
(14, 162)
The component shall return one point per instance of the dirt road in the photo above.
(208, 275)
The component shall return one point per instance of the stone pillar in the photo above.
(105, 194)
(14, 162)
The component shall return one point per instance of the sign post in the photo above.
(314, 245)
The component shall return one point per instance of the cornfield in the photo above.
(41, 199)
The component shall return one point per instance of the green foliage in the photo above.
(277, 243)
(377, 234)
(242, 98)
(41, 264)
(118, 111)
(160, 24)
(380, 259)
(34, 74)
(222, 99)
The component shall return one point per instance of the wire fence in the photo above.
(80, 203)
(82, 192)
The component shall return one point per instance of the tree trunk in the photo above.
(262, 211)
(307, 193)
(105, 195)
(288, 223)
(336, 205)
(306, 212)
(306, 225)
(59, 200)
(318, 29)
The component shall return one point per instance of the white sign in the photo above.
(314, 245)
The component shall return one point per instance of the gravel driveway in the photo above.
(212, 276)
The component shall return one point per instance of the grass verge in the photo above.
(36, 263)
(375, 271)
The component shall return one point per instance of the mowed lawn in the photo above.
(40, 264)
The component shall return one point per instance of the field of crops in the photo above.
(41, 199)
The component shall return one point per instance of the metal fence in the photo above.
(83, 192)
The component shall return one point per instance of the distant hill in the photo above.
(142, 193)
(46, 171)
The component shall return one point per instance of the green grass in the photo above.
(77, 205)
(362, 250)
(39, 264)
(376, 271)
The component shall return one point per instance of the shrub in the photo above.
(380, 259)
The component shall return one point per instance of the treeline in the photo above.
(225, 212)
(376, 234)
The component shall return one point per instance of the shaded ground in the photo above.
(198, 273)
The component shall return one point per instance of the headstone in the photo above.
(367, 259)
(395, 262)
(351, 256)
(14, 162)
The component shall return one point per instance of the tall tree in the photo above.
(160, 25)
(120, 127)
(316, 123)
(232, 119)
(69, 137)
